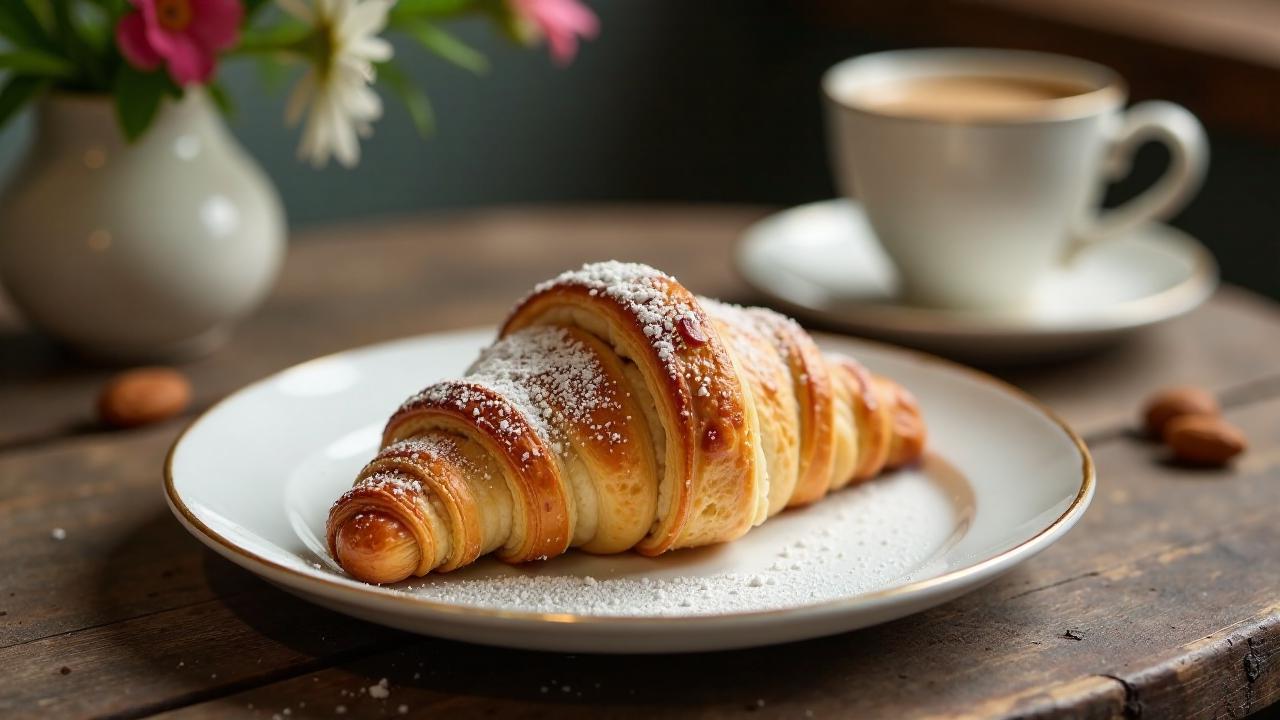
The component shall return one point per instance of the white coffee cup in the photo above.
(980, 170)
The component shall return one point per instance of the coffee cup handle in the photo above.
(1183, 134)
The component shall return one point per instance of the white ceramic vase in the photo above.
(142, 251)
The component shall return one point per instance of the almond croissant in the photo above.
(617, 411)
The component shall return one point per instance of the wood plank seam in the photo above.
(1132, 707)
(1233, 397)
(1091, 698)
(1243, 658)
(219, 599)
(1088, 696)
(249, 683)
(1085, 696)
(1189, 546)
(376, 648)
(89, 430)
(1249, 392)
(1253, 659)
(1213, 535)
(1056, 583)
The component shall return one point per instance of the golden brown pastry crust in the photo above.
(814, 390)
(909, 436)
(713, 485)
(873, 414)
(483, 416)
(618, 411)
(772, 396)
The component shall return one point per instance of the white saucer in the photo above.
(821, 261)
(254, 476)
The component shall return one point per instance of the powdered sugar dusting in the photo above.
(434, 446)
(854, 542)
(399, 483)
(553, 377)
(489, 409)
(438, 447)
(753, 356)
(541, 379)
(642, 290)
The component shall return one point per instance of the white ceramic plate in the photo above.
(253, 478)
(822, 261)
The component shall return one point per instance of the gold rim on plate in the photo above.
(363, 590)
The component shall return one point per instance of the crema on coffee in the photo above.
(964, 97)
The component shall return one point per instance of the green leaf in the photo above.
(113, 8)
(17, 92)
(280, 36)
(138, 97)
(35, 62)
(77, 47)
(409, 9)
(95, 23)
(220, 98)
(510, 25)
(20, 26)
(414, 99)
(251, 7)
(448, 47)
(272, 73)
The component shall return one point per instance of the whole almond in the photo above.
(142, 396)
(1174, 402)
(1203, 439)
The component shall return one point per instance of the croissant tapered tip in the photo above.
(909, 432)
(376, 548)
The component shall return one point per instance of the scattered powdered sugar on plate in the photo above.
(856, 541)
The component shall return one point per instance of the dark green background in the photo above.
(676, 101)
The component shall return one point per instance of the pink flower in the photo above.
(184, 35)
(561, 22)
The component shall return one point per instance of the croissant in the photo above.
(617, 411)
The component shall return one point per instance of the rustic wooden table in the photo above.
(1163, 603)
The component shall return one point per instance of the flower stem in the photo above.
(291, 38)
(77, 50)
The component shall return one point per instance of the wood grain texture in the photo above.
(1165, 559)
(1165, 622)
(1230, 673)
(1170, 582)
(103, 493)
(349, 286)
(415, 276)
(1244, 30)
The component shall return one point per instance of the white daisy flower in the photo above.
(336, 92)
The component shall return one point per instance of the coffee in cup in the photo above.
(965, 98)
(979, 170)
